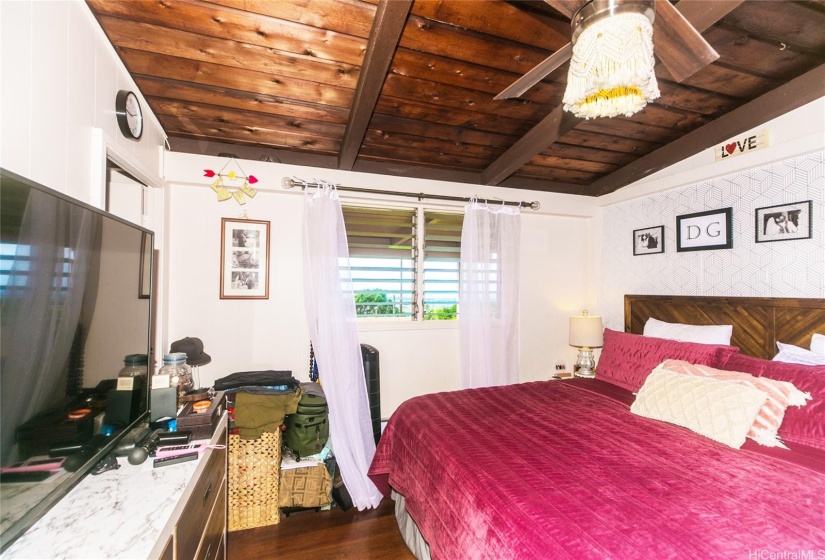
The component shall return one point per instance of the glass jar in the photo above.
(135, 365)
(179, 372)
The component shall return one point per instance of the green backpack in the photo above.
(307, 431)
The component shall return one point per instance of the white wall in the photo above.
(60, 76)
(792, 169)
(415, 357)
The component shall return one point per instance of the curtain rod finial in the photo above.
(287, 183)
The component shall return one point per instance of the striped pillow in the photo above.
(781, 395)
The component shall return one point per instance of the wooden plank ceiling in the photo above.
(407, 88)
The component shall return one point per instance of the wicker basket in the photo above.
(254, 473)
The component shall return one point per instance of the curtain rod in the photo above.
(292, 182)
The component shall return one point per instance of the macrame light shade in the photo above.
(611, 69)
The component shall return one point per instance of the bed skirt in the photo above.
(409, 530)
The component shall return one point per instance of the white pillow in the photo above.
(702, 334)
(719, 410)
(818, 344)
(796, 355)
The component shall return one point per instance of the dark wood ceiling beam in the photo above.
(790, 96)
(390, 17)
(553, 126)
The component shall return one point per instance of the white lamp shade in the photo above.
(586, 330)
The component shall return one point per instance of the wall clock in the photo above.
(129, 114)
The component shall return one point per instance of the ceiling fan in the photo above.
(677, 38)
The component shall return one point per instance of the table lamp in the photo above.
(586, 333)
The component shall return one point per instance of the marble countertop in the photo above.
(118, 514)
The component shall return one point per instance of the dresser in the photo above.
(174, 513)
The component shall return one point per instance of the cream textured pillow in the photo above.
(702, 334)
(721, 411)
(781, 395)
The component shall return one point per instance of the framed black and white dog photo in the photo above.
(784, 222)
(649, 241)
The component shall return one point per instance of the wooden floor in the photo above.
(324, 535)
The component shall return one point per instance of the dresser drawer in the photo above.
(195, 515)
(213, 535)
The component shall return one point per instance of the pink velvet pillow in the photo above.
(627, 359)
(804, 425)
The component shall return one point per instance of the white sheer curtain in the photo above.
(489, 295)
(330, 310)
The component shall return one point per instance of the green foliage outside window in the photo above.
(441, 313)
(369, 302)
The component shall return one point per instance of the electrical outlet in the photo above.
(561, 366)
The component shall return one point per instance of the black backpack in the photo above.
(307, 431)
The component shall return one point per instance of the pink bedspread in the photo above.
(559, 470)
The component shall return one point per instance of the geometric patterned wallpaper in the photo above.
(793, 268)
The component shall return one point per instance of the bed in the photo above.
(563, 469)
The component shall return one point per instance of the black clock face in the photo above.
(129, 114)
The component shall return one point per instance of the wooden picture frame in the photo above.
(705, 231)
(649, 241)
(244, 259)
(784, 222)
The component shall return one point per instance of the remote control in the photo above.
(170, 450)
(175, 459)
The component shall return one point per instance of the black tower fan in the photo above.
(372, 375)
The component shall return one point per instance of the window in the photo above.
(442, 255)
(385, 262)
(383, 250)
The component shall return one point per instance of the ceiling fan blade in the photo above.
(702, 14)
(679, 46)
(538, 73)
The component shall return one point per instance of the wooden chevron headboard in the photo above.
(758, 323)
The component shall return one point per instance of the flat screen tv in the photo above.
(75, 302)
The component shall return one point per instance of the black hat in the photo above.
(193, 348)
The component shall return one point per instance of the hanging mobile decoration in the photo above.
(222, 190)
